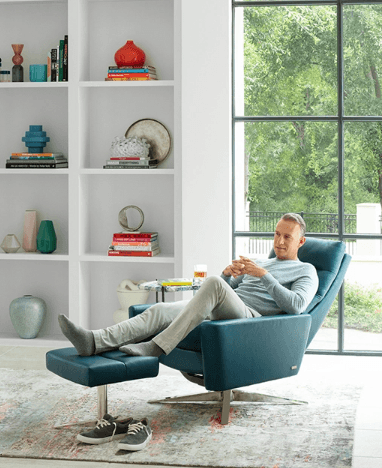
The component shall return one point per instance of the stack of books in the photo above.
(134, 244)
(58, 60)
(175, 282)
(131, 73)
(116, 162)
(36, 161)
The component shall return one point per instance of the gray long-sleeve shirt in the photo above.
(289, 286)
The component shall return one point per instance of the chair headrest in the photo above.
(326, 256)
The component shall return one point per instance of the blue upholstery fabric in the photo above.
(106, 368)
(236, 353)
(326, 257)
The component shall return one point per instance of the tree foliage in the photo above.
(290, 69)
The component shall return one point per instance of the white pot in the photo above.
(129, 294)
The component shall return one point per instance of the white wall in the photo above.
(206, 134)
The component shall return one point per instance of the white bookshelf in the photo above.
(82, 117)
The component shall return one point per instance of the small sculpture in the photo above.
(17, 59)
(130, 147)
(35, 139)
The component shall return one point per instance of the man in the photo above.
(245, 289)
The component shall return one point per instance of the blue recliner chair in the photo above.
(229, 354)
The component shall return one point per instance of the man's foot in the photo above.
(138, 436)
(81, 339)
(147, 348)
(107, 429)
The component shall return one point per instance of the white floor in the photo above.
(368, 429)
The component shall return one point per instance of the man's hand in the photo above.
(251, 268)
(235, 269)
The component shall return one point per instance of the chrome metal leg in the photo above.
(101, 410)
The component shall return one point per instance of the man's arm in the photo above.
(295, 300)
(291, 301)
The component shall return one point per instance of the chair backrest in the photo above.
(331, 262)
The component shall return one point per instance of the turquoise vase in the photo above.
(27, 315)
(46, 237)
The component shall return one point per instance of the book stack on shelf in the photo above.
(36, 161)
(145, 73)
(127, 162)
(58, 60)
(134, 244)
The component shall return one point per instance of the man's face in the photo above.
(287, 239)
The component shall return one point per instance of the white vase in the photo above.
(129, 294)
(10, 244)
(30, 231)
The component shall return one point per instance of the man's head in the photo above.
(289, 236)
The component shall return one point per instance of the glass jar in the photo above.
(5, 76)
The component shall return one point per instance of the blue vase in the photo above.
(27, 315)
(46, 237)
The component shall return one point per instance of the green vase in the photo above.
(46, 237)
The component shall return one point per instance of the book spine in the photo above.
(145, 248)
(129, 79)
(48, 68)
(135, 235)
(133, 243)
(37, 154)
(36, 158)
(132, 162)
(120, 166)
(125, 240)
(127, 158)
(65, 60)
(61, 60)
(130, 75)
(53, 64)
(131, 253)
(34, 166)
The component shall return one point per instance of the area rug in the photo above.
(317, 435)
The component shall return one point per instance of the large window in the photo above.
(307, 138)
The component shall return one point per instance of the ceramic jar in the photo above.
(46, 237)
(129, 294)
(27, 315)
(10, 244)
(129, 56)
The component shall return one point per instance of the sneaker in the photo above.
(137, 437)
(107, 429)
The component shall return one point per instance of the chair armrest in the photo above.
(243, 352)
(138, 309)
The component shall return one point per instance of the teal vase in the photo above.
(46, 237)
(27, 315)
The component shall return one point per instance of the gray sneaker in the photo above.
(107, 429)
(137, 437)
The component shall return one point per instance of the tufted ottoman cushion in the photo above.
(102, 369)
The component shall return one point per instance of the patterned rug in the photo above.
(317, 435)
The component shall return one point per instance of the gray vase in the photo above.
(27, 315)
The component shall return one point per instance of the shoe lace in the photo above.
(135, 428)
(103, 422)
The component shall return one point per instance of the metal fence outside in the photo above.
(265, 221)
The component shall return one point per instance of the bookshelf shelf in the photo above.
(82, 117)
(160, 258)
(34, 257)
(130, 172)
(128, 84)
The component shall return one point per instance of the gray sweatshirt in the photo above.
(289, 286)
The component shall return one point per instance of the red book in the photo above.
(133, 253)
(127, 158)
(137, 235)
(132, 243)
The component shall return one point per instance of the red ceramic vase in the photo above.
(129, 56)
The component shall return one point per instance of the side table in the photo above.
(155, 286)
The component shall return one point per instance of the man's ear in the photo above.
(301, 242)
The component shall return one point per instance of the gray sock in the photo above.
(81, 339)
(147, 348)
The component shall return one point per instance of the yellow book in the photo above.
(175, 282)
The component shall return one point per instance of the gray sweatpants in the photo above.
(171, 322)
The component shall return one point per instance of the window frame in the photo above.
(341, 120)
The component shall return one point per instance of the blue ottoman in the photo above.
(100, 370)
